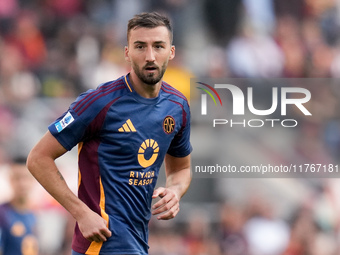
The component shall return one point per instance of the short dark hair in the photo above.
(149, 20)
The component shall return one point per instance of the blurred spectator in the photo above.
(6, 127)
(66, 245)
(17, 222)
(111, 64)
(265, 232)
(217, 66)
(11, 61)
(168, 243)
(29, 40)
(261, 15)
(322, 58)
(293, 8)
(222, 19)
(231, 235)
(197, 234)
(65, 8)
(251, 56)
(164, 239)
(303, 232)
(8, 12)
(287, 36)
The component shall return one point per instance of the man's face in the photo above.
(149, 51)
(21, 181)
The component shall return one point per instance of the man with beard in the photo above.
(124, 130)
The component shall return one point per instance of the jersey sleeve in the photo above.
(72, 127)
(68, 129)
(180, 145)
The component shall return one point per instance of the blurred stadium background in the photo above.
(52, 50)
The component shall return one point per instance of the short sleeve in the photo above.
(68, 129)
(180, 145)
(71, 128)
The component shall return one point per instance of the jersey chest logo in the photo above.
(168, 124)
(127, 127)
(148, 153)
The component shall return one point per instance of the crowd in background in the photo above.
(52, 50)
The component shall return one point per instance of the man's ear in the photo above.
(126, 54)
(172, 52)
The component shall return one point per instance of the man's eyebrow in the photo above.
(156, 42)
(139, 42)
(160, 42)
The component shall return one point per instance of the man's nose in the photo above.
(150, 55)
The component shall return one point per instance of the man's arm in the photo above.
(178, 178)
(41, 163)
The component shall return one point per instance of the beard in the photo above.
(150, 78)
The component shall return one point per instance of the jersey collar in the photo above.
(127, 82)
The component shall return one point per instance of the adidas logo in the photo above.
(127, 127)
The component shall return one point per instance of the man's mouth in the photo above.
(151, 68)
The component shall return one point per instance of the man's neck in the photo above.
(144, 90)
(19, 204)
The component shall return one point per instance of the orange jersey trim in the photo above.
(126, 81)
(95, 247)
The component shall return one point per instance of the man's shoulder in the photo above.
(174, 94)
(109, 84)
(109, 88)
(101, 96)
